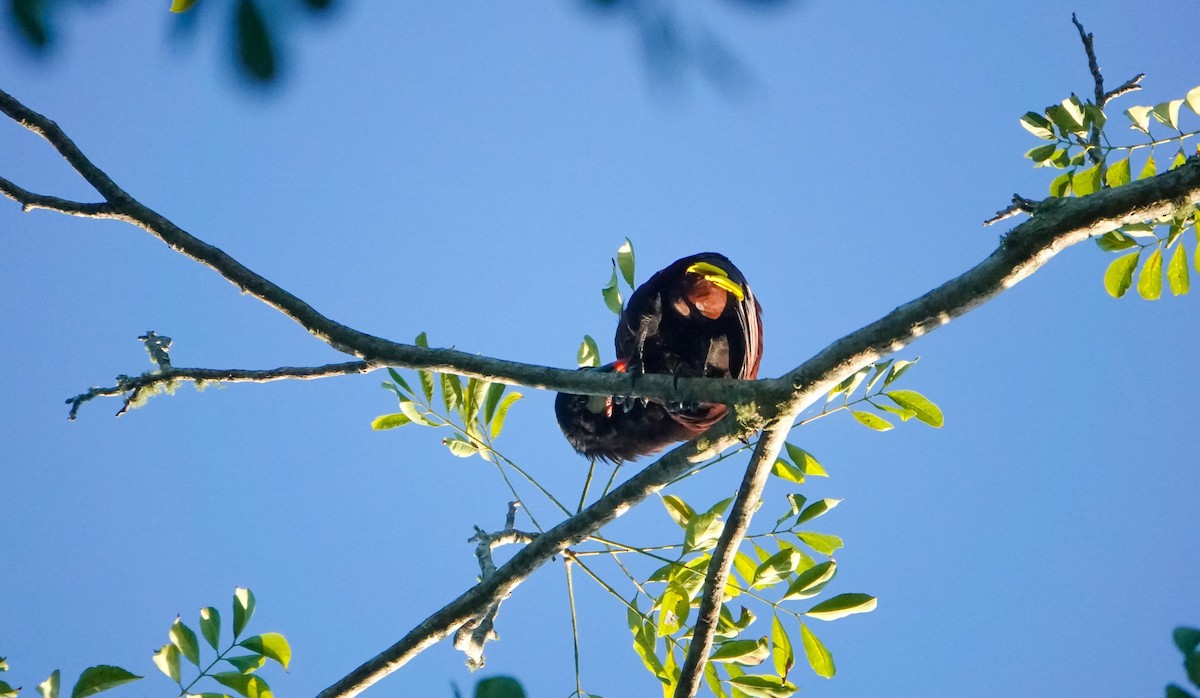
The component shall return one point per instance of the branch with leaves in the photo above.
(774, 405)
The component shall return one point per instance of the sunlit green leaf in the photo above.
(824, 543)
(248, 685)
(243, 609)
(714, 682)
(502, 413)
(588, 355)
(494, 392)
(460, 447)
(99, 678)
(416, 415)
(1094, 116)
(760, 686)
(1060, 186)
(1150, 277)
(744, 652)
(247, 663)
(1067, 117)
(817, 508)
(795, 504)
(167, 661)
(1037, 124)
(181, 5)
(781, 648)
(1180, 158)
(1118, 173)
(1041, 153)
(680, 511)
(775, 568)
(1168, 112)
(184, 638)
(612, 293)
(399, 380)
(900, 412)
(1086, 181)
(1149, 169)
(210, 622)
(926, 410)
(625, 261)
(1115, 241)
(452, 391)
(1119, 276)
(7, 691)
(1138, 230)
(49, 687)
(787, 471)
(810, 582)
(897, 370)
(745, 566)
(873, 421)
(1140, 116)
(819, 658)
(1193, 99)
(841, 606)
(270, 645)
(805, 461)
(1177, 272)
(644, 643)
(703, 530)
(389, 421)
(880, 370)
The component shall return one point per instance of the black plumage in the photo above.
(695, 318)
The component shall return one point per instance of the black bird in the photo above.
(695, 318)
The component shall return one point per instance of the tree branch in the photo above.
(152, 380)
(1056, 225)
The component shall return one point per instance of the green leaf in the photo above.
(824, 543)
(1041, 153)
(644, 642)
(880, 369)
(745, 566)
(502, 413)
(210, 621)
(243, 609)
(787, 471)
(1150, 277)
(1067, 117)
(819, 658)
(452, 391)
(1060, 186)
(713, 681)
(811, 581)
(415, 415)
(1118, 173)
(388, 421)
(7, 691)
(1140, 116)
(167, 661)
(1149, 169)
(1191, 664)
(759, 686)
(185, 639)
(500, 687)
(1180, 158)
(926, 410)
(816, 509)
(1187, 639)
(1086, 181)
(254, 43)
(494, 392)
(873, 421)
(399, 380)
(49, 687)
(1094, 116)
(1168, 112)
(588, 355)
(3, 664)
(900, 412)
(625, 261)
(1177, 272)
(1115, 241)
(841, 606)
(247, 663)
(720, 507)
(775, 568)
(795, 504)
(270, 645)
(744, 652)
(99, 678)
(1119, 276)
(612, 293)
(898, 369)
(1174, 691)
(247, 685)
(703, 530)
(460, 447)
(678, 510)
(1193, 99)
(182, 5)
(805, 461)
(1037, 124)
(781, 648)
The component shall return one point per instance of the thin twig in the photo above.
(1018, 206)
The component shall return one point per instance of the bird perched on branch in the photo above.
(695, 318)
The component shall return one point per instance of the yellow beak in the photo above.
(717, 277)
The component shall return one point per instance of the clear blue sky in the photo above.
(467, 169)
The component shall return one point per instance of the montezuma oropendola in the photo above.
(695, 318)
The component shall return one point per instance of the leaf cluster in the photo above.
(1188, 642)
